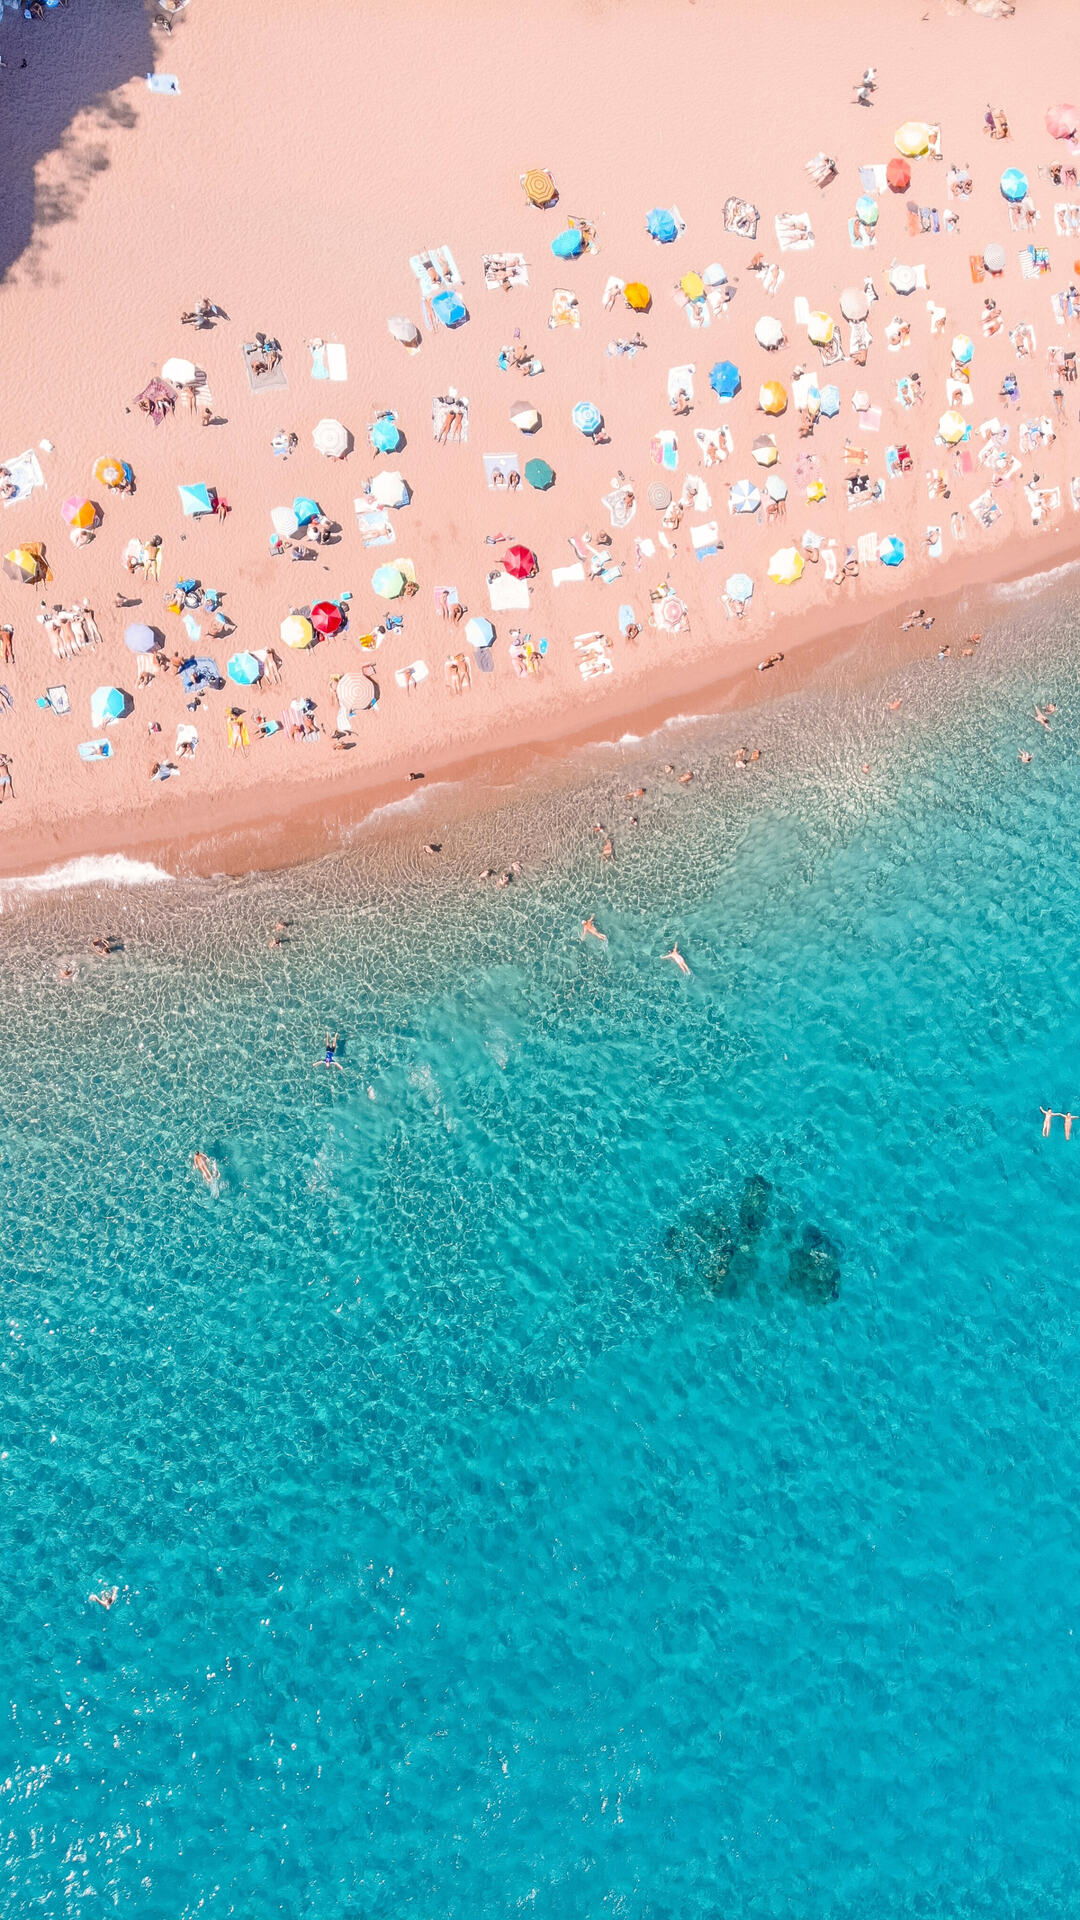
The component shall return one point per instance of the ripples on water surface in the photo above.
(502, 1521)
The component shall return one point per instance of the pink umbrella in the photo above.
(1062, 122)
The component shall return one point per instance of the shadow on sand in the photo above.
(75, 58)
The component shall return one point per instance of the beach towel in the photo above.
(873, 178)
(861, 236)
(794, 232)
(868, 545)
(146, 666)
(1074, 493)
(444, 407)
(741, 217)
(505, 269)
(802, 309)
(418, 670)
(1067, 220)
(506, 594)
(705, 539)
(695, 494)
(713, 443)
(95, 750)
(860, 338)
(611, 292)
(664, 451)
(318, 359)
(435, 270)
(933, 543)
(162, 83)
(627, 618)
(57, 698)
(273, 378)
(24, 472)
(564, 309)
(567, 576)
(621, 504)
(375, 524)
(680, 380)
(498, 468)
(986, 509)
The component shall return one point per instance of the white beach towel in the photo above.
(566, 576)
(25, 473)
(506, 594)
(705, 539)
(794, 232)
(868, 544)
(336, 367)
(418, 671)
(680, 380)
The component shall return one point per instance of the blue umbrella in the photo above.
(1014, 184)
(891, 551)
(384, 434)
(195, 500)
(305, 509)
(830, 402)
(244, 669)
(662, 225)
(744, 497)
(587, 418)
(567, 245)
(107, 703)
(725, 379)
(740, 586)
(448, 307)
(866, 209)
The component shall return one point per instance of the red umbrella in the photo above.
(327, 617)
(898, 175)
(520, 562)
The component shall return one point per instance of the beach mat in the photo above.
(264, 382)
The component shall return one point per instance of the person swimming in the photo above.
(589, 926)
(106, 1598)
(330, 1058)
(677, 957)
(203, 1164)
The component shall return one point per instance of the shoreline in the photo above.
(267, 828)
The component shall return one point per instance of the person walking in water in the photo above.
(677, 957)
(589, 926)
(330, 1058)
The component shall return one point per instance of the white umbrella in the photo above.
(284, 521)
(331, 438)
(182, 373)
(526, 419)
(854, 304)
(861, 401)
(775, 487)
(902, 279)
(404, 330)
(768, 332)
(389, 490)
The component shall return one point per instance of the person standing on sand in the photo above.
(7, 639)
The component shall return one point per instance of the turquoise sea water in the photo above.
(504, 1524)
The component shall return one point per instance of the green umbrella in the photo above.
(539, 474)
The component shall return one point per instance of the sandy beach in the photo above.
(291, 179)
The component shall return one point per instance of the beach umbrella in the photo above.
(951, 427)
(786, 566)
(385, 437)
(182, 373)
(387, 581)
(327, 617)
(662, 225)
(404, 330)
(331, 438)
(1014, 184)
(866, 210)
(854, 304)
(305, 509)
(106, 705)
(830, 402)
(739, 587)
(693, 286)
(139, 638)
(775, 487)
(284, 522)
(860, 400)
(820, 328)
(539, 187)
(745, 497)
(355, 691)
(296, 631)
(526, 419)
(389, 490)
(21, 564)
(658, 495)
(912, 139)
(568, 244)
(963, 347)
(449, 307)
(902, 279)
(109, 472)
(815, 491)
(1062, 122)
(479, 632)
(994, 258)
(672, 612)
(80, 513)
(244, 669)
(520, 562)
(772, 397)
(725, 380)
(587, 418)
(898, 176)
(195, 500)
(768, 332)
(891, 551)
(539, 474)
(764, 450)
(637, 296)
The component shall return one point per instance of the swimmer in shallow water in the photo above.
(203, 1164)
(677, 957)
(589, 926)
(105, 1598)
(330, 1058)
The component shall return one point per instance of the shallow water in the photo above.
(512, 1510)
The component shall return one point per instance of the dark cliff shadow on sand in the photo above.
(75, 57)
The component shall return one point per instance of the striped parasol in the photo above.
(539, 186)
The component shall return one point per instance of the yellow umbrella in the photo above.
(21, 564)
(539, 186)
(772, 397)
(815, 491)
(786, 566)
(637, 295)
(820, 328)
(109, 472)
(951, 427)
(296, 631)
(693, 286)
(764, 451)
(912, 139)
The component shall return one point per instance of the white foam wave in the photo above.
(687, 719)
(1033, 583)
(89, 870)
(409, 803)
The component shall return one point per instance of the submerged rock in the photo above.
(814, 1267)
(703, 1247)
(754, 1206)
